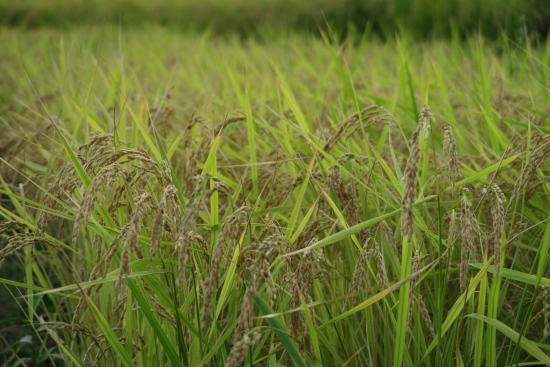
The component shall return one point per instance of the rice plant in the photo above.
(181, 200)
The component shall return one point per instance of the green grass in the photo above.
(422, 19)
(286, 94)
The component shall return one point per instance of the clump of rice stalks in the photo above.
(267, 249)
(311, 231)
(415, 266)
(105, 178)
(499, 222)
(467, 225)
(360, 273)
(228, 237)
(130, 234)
(187, 223)
(126, 177)
(280, 195)
(369, 116)
(300, 282)
(381, 275)
(451, 240)
(219, 187)
(544, 313)
(227, 121)
(67, 180)
(389, 235)
(424, 312)
(449, 148)
(97, 340)
(190, 172)
(64, 182)
(411, 170)
(526, 183)
(84, 330)
(195, 237)
(11, 225)
(163, 312)
(240, 349)
(346, 191)
(425, 118)
(168, 201)
(334, 180)
(417, 298)
(21, 240)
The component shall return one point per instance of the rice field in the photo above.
(280, 199)
(421, 19)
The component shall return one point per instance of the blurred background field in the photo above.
(421, 19)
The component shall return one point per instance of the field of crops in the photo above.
(418, 18)
(276, 199)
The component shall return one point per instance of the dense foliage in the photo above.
(421, 19)
(184, 200)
